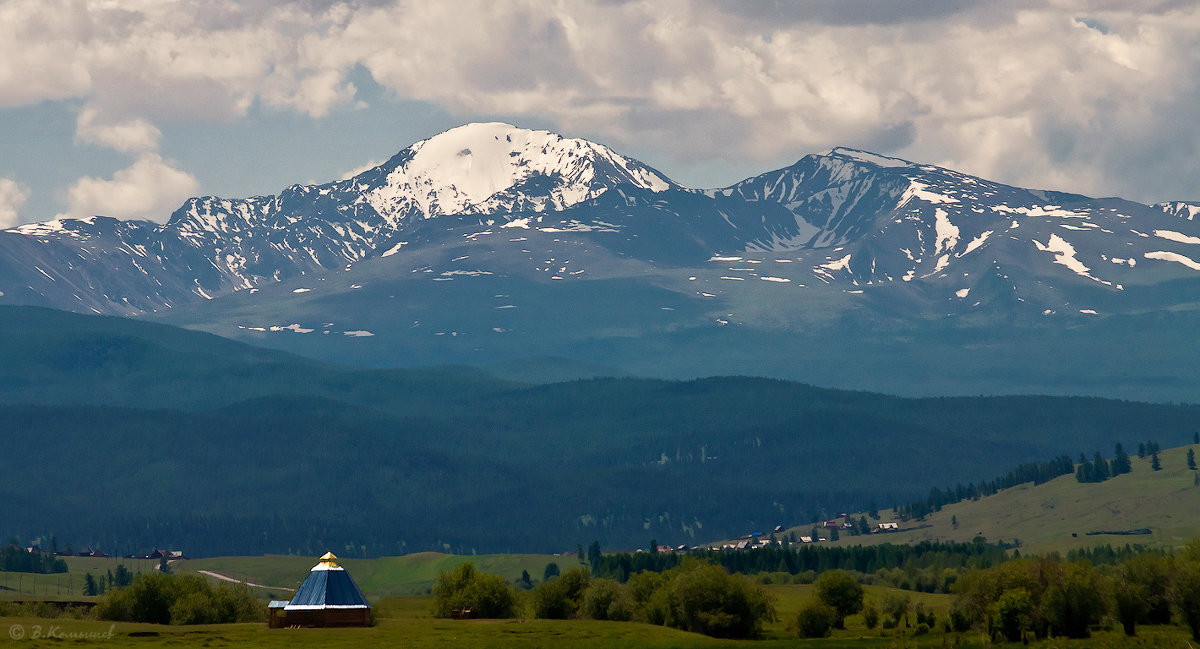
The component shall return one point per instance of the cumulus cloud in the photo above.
(12, 196)
(150, 188)
(170, 59)
(1066, 95)
(133, 136)
(1098, 97)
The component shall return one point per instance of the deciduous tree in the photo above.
(815, 619)
(840, 590)
(464, 587)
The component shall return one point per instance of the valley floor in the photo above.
(405, 621)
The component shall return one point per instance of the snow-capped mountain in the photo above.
(877, 221)
(489, 210)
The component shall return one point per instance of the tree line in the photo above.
(1021, 599)
(17, 559)
(1034, 472)
(1049, 596)
(924, 564)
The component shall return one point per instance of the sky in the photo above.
(126, 108)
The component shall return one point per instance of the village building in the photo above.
(327, 597)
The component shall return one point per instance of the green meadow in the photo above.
(1057, 516)
(404, 621)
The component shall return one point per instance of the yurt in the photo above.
(328, 597)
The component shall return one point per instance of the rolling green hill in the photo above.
(1058, 515)
(159, 437)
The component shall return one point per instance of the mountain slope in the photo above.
(1058, 515)
(490, 243)
(245, 451)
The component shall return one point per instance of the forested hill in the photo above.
(219, 448)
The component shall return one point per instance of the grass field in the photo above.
(1057, 515)
(68, 585)
(405, 621)
(383, 577)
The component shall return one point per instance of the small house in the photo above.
(327, 597)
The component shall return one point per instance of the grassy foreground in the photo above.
(405, 621)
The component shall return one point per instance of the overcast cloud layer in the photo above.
(1095, 97)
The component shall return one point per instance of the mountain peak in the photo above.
(484, 168)
(858, 155)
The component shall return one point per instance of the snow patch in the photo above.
(394, 249)
(868, 157)
(1040, 210)
(921, 191)
(292, 327)
(947, 232)
(1171, 235)
(775, 279)
(976, 243)
(301, 290)
(1064, 255)
(840, 264)
(1163, 255)
(358, 333)
(468, 273)
(963, 292)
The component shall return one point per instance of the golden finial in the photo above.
(328, 559)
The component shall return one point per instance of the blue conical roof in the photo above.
(328, 585)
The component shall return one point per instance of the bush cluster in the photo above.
(1048, 596)
(180, 599)
(694, 596)
(465, 588)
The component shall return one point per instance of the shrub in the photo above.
(179, 599)
(925, 616)
(870, 615)
(815, 619)
(1078, 599)
(704, 598)
(606, 599)
(842, 592)
(895, 605)
(643, 585)
(561, 597)
(1010, 614)
(1184, 591)
(486, 595)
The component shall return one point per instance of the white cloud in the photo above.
(12, 196)
(1024, 93)
(150, 189)
(1073, 95)
(132, 136)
